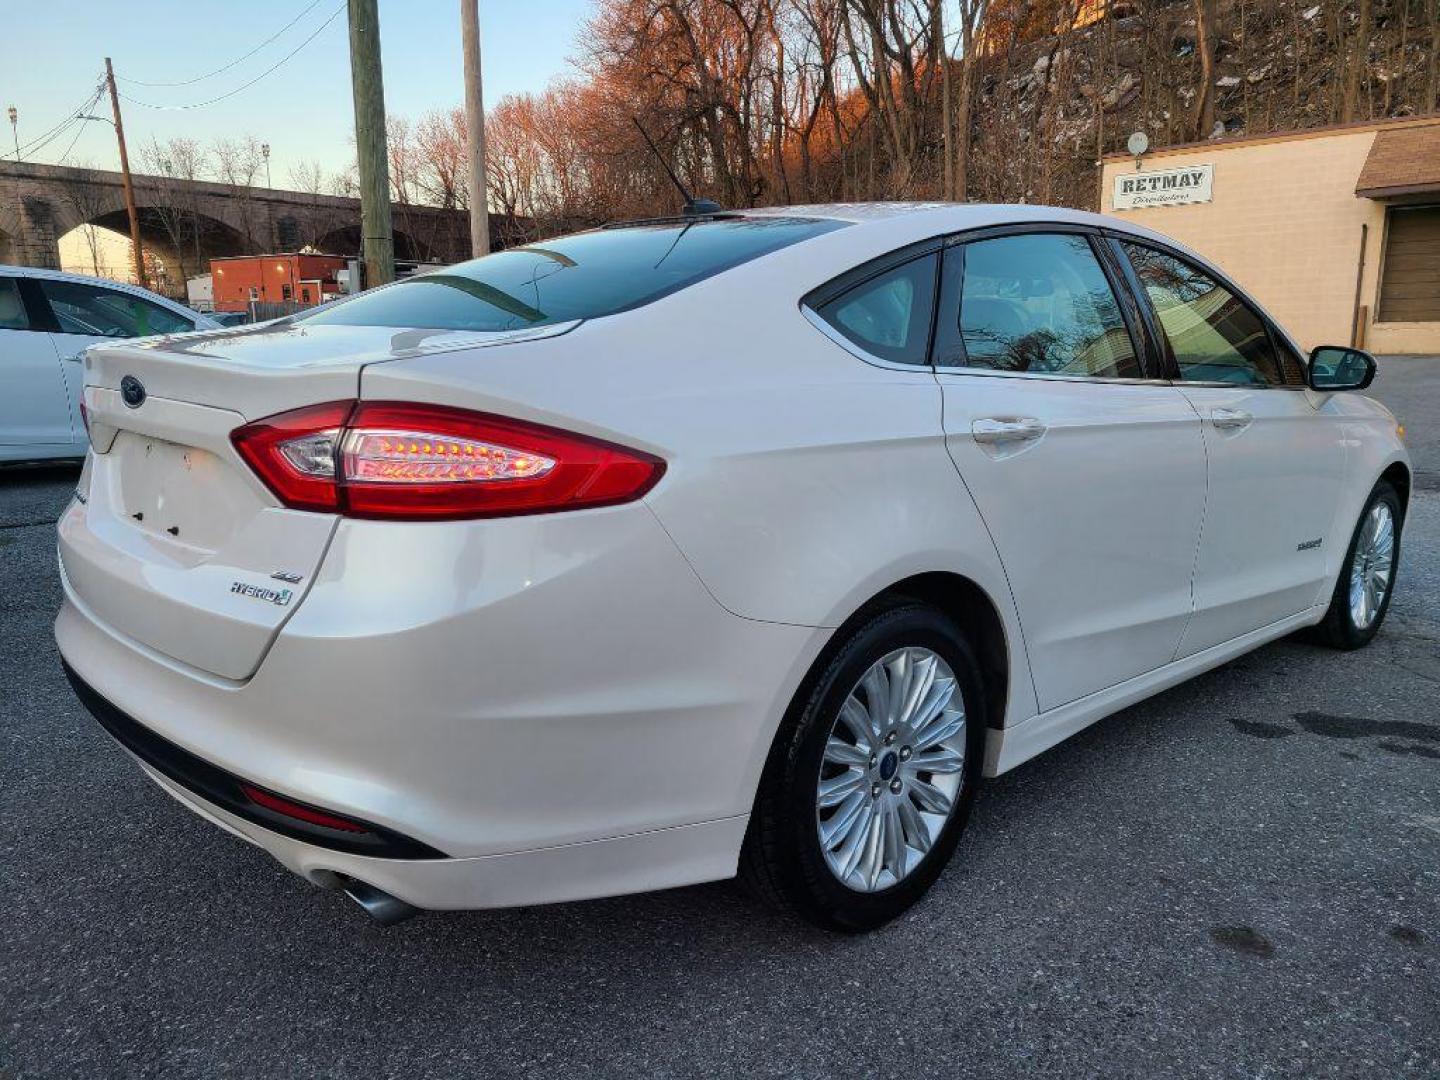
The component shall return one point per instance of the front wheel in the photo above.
(1367, 577)
(872, 776)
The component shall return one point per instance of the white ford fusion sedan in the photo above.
(745, 542)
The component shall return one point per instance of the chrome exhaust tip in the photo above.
(385, 909)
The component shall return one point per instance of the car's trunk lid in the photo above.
(178, 545)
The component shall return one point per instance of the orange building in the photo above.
(273, 279)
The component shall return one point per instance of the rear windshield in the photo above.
(575, 277)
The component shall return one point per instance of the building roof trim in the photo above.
(1358, 127)
(1402, 161)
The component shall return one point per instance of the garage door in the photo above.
(1410, 287)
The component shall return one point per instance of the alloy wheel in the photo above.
(892, 769)
(1372, 565)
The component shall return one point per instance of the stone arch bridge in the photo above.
(188, 222)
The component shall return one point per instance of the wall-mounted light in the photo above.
(1137, 144)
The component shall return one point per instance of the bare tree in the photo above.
(239, 162)
(773, 100)
(175, 166)
(441, 156)
(1358, 62)
(1432, 80)
(309, 177)
(89, 199)
(972, 19)
(1205, 42)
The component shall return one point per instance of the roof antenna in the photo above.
(693, 207)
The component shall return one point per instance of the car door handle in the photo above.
(1007, 429)
(74, 358)
(1230, 419)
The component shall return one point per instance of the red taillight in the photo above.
(299, 811)
(294, 453)
(402, 461)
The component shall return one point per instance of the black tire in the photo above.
(782, 861)
(1338, 629)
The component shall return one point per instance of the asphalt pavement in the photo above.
(1410, 386)
(1238, 878)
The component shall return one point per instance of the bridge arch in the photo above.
(345, 240)
(41, 203)
(178, 244)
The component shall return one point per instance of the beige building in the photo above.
(1336, 230)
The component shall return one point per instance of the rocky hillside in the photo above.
(1048, 108)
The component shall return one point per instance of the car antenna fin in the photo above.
(693, 207)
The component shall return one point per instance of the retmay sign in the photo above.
(1166, 187)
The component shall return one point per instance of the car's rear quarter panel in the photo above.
(800, 482)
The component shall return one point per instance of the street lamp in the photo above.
(14, 130)
(265, 153)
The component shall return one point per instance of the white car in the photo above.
(47, 318)
(744, 541)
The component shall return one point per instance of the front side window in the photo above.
(583, 276)
(889, 315)
(1041, 303)
(12, 307)
(95, 311)
(1215, 337)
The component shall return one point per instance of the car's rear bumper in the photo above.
(578, 720)
(421, 876)
(658, 859)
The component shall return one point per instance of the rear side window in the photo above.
(889, 315)
(1041, 303)
(1215, 337)
(583, 276)
(95, 311)
(12, 307)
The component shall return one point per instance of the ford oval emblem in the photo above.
(132, 391)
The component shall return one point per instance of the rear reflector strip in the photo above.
(298, 811)
(243, 799)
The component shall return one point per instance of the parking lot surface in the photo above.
(1238, 878)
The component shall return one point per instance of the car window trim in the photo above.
(37, 306)
(855, 277)
(954, 264)
(1129, 314)
(1120, 238)
(1158, 343)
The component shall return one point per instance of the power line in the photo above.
(79, 130)
(211, 74)
(45, 136)
(76, 119)
(245, 86)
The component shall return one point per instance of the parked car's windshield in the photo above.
(574, 277)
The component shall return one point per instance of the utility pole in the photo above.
(269, 202)
(377, 244)
(125, 179)
(15, 129)
(475, 127)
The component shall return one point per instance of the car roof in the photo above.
(948, 216)
(7, 270)
(939, 218)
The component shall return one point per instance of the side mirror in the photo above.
(1334, 367)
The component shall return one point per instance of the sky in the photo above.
(52, 54)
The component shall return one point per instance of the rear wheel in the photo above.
(1367, 577)
(871, 778)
